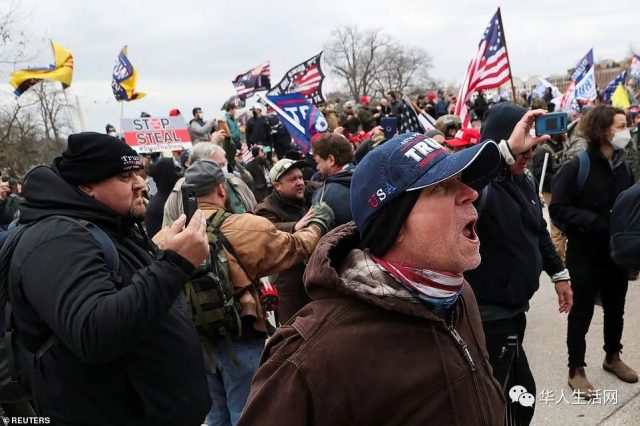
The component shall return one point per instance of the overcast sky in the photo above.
(188, 52)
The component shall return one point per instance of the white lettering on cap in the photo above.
(422, 149)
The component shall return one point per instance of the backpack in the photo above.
(13, 383)
(584, 165)
(215, 310)
(625, 228)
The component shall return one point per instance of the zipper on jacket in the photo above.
(472, 365)
(461, 343)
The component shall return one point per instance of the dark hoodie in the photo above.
(165, 174)
(365, 352)
(335, 192)
(514, 241)
(126, 351)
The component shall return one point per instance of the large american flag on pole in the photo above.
(487, 70)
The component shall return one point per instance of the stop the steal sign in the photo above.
(154, 134)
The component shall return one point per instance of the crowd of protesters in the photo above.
(369, 245)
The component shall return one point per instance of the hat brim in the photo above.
(477, 164)
(457, 143)
(295, 165)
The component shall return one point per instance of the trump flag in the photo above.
(123, 82)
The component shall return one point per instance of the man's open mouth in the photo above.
(469, 231)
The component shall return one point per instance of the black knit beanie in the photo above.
(91, 157)
(500, 120)
(384, 227)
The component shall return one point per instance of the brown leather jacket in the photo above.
(285, 214)
(365, 352)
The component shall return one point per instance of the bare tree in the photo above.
(402, 68)
(352, 55)
(53, 108)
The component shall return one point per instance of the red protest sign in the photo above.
(154, 134)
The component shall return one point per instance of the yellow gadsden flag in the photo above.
(620, 98)
(61, 70)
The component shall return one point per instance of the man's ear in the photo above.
(222, 191)
(331, 160)
(401, 234)
(276, 186)
(88, 189)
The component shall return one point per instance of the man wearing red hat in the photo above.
(463, 139)
(365, 115)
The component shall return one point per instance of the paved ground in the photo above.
(545, 345)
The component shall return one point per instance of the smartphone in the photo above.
(389, 126)
(552, 123)
(189, 201)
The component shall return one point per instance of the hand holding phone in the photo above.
(189, 201)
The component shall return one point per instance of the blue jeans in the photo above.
(229, 386)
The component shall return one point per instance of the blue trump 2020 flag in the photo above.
(301, 118)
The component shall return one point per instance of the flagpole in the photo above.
(506, 51)
(121, 116)
(80, 114)
(68, 105)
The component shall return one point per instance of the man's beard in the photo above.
(137, 212)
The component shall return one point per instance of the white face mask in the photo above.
(621, 139)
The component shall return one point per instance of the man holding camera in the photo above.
(98, 307)
(515, 248)
(393, 334)
(199, 130)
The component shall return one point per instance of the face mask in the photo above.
(621, 139)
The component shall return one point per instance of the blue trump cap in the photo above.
(412, 161)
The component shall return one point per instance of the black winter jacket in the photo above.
(515, 245)
(258, 132)
(127, 352)
(585, 213)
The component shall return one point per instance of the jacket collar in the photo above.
(338, 266)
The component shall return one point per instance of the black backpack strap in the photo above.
(584, 164)
(109, 250)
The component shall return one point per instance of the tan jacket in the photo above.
(173, 206)
(263, 250)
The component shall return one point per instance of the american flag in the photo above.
(305, 78)
(489, 68)
(247, 156)
(259, 78)
(409, 121)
